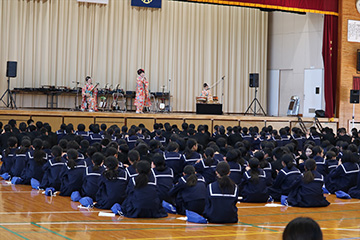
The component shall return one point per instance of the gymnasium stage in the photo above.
(56, 117)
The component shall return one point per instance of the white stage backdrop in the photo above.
(59, 42)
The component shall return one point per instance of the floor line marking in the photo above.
(337, 203)
(57, 212)
(49, 230)
(15, 233)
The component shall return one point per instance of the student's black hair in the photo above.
(98, 159)
(172, 146)
(72, 156)
(124, 148)
(143, 169)
(133, 156)
(103, 127)
(7, 128)
(95, 128)
(69, 128)
(159, 162)
(39, 154)
(233, 155)
(184, 126)
(302, 228)
(254, 169)
(348, 156)
(225, 182)
(278, 153)
(154, 144)
(56, 151)
(353, 148)
(111, 166)
(316, 150)
(329, 155)
(209, 156)
(81, 127)
(72, 145)
(310, 165)
(189, 171)
(261, 157)
(288, 160)
(12, 142)
(22, 127)
(189, 145)
(25, 145)
(111, 152)
(104, 142)
(63, 144)
(140, 71)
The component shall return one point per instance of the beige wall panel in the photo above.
(77, 120)
(110, 121)
(259, 124)
(178, 122)
(198, 122)
(148, 122)
(277, 125)
(54, 122)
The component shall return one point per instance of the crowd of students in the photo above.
(190, 168)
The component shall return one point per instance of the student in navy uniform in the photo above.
(112, 186)
(174, 159)
(266, 166)
(190, 192)
(81, 132)
(190, 155)
(331, 161)
(253, 185)
(20, 158)
(131, 139)
(133, 158)
(159, 137)
(217, 155)
(307, 189)
(285, 178)
(164, 177)
(220, 206)
(8, 155)
(94, 135)
(52, 169)
(345, 175)
(35, 160)
(92, 176)
(206, 167)
(142, 199)
(318, 154)
(71, 176)
(236, 169)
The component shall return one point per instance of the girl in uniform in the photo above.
(190, 192)
(253, 185)
(8, 154)
(318, 154)
(236, 170)
(307, 189)
(112, 186)
(190, 155)
(20, 158)
(164, 177)
(174, 159)
(220, 206)
(52, 169)
(92, 176)
(71, 176)
(133, 158)
(142, 195)
(206, 167)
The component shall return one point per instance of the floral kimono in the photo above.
(89, 98)
(142, 98)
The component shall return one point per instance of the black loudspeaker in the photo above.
(358, 61)
(11, 69)
(354, 96)
(254, 80)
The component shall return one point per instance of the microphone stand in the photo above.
(222, 90)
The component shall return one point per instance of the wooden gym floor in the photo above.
(28, 214)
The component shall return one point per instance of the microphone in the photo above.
(223, 77)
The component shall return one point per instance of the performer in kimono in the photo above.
(142, 98)
(89, 96)
(206, 93)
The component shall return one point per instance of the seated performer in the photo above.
(206, 92)
(89, 96)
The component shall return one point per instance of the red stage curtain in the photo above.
(356, 83)
(328, 7)
(330, 46)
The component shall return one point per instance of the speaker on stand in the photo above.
(354, 99)
(254, 83)
(11, 68)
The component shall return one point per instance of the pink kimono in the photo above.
(142, 98)
(89, 98)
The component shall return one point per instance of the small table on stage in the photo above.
(209, 108)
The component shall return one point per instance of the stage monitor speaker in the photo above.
(11, 69)
(254, 80)
(354, 96)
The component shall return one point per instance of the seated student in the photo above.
(142, 199)
(71, 176)
(220, 206)
(253, 185)
(236, 170)
(266, 166)
(35, 160)
(302, 228)
(52, 169)
(154, 147)
(190, 155)
(190, 192)
(159, 137)
(92, 176)
(307, 189)
(131, 138)
(331, 161)
(133, 158)
(81, 132)
(344, 176)
(318, 154)
(94, 135)
(112, 185)
(112, 151)
(206, 167)
(217, 155)
(174, 159)
(285, 178)
(164, 177)
(61, 132)
(8, 155)
(20, 158)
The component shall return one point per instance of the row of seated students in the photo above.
(207, 181)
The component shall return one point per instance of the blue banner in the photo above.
(146, 3)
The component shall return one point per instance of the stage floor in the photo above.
(56, 117)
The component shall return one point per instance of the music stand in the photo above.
(10, 100)
(254, 83)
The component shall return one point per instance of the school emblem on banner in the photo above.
(146, 3)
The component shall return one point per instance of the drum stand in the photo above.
(254, 101)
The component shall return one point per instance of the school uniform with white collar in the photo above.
(91, 181)
(52, 171)
(72, 179)
(254, 191)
